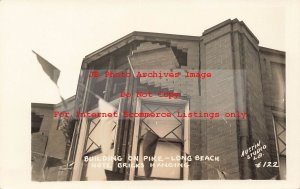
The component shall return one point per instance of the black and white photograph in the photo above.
(181, 93)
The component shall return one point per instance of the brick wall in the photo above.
(241, 82)
(230, 51)
(267, 56)
(218, 95)
(255, 104)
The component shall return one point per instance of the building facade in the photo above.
(50, 142)
(218, 101)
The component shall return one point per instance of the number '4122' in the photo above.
(270, 164)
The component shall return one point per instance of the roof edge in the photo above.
(45, 105)
(230, 21)
(272, 51)
(143, 34)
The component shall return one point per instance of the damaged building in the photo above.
(244, 78)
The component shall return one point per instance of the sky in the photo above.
(64, 32)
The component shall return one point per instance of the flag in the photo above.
(52, 72)
(105, 139)
(48, 68)
(149, 147)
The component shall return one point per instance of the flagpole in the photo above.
(65, 105)
(129, 62)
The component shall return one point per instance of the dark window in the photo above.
(36, 122)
